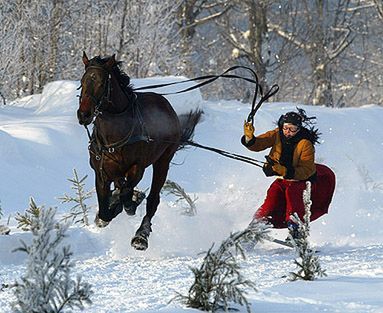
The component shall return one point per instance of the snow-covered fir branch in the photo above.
(218, 281)
(24, 221)
(79, 211)
(175, 189)
(47, 286)
(308, 266)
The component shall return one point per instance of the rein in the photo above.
(211, 78)
(230, 155)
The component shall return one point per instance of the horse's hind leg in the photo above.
(160, 171)
(132, 178)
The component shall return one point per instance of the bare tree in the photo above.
(249, 40)
(322, 52)
(322, 32)
(192, 15)
(144, 36)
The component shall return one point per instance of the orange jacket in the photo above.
(303, 157)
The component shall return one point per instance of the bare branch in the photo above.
(288, 36)
(361, 7)
(234, 42)
(379, 8)
(209, 18)
(344, 43)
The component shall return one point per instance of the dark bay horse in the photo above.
(131, 131)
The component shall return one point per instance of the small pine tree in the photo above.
(218, 281)
(79, 212)
(47, 285)
(307, 263)
(173, 188)
(25, 220)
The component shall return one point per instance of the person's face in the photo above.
(289, 130)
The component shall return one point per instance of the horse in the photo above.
(131, 131)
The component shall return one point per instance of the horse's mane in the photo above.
(122, 77)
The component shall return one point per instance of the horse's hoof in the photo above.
(131, 210)
(138, 197)
(139, 243)
(130, 206)
(100, 223)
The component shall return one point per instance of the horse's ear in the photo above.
(85, 59)
(111, 62)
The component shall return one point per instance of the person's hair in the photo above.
(301, 120)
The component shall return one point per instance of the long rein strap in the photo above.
(230, 155)
(207, 79)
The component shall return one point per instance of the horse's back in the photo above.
(159, 117)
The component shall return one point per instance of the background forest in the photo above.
(319, 52)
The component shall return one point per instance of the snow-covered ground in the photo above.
(41, 143)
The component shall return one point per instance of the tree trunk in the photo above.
(257, 31)
(122, 30)
(54, 38)
(322, 94)
(320, 62)
(187, 18)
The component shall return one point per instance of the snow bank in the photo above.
(42, 146)
(183, 102)
(61, 97)
(41, 143)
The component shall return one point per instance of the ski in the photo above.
(288, 244)
(282, 242)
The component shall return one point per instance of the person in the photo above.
(292, 159)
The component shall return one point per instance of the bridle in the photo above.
(105, 96)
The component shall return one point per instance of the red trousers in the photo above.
(284, 197)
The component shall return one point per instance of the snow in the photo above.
(42, 142)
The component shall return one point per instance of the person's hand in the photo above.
(268, 170)
(268, 167)
(248, 130)
(279, 169)
(269, 160)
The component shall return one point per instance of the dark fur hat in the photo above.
(301, 120)
(292, 118)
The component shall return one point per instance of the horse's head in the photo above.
(95, 85)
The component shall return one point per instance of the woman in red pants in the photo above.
(291, 158)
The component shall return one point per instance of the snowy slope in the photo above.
(41, 143)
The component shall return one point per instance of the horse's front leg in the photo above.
(160, 171)
(107, 208)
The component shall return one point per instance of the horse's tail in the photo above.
(188, 123)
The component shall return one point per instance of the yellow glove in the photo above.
(279, 169)
(248, 130)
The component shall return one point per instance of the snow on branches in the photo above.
(307, 262)
(79, 211)
(218, 280)
(47, 285)
(173, 188)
